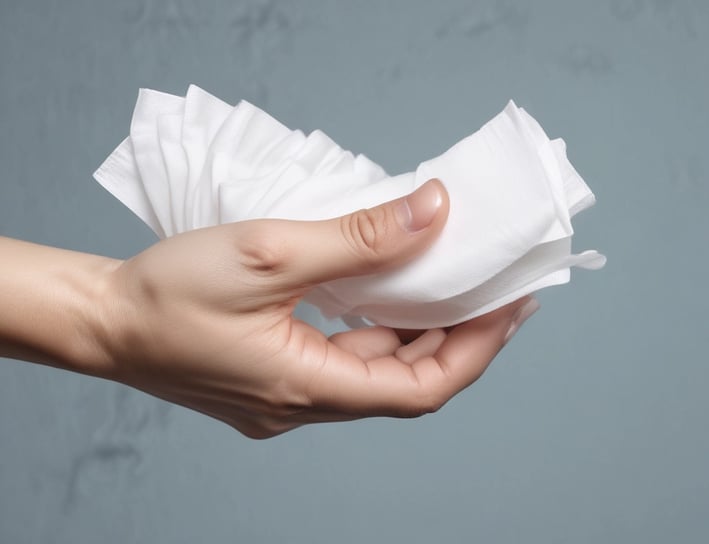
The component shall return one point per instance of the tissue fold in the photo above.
(195, 161)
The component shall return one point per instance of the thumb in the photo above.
(307, 253)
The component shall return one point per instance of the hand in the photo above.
(204, 319)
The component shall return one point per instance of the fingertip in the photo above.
(524, 311)
(419, 209)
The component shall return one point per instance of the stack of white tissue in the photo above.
(196, 161)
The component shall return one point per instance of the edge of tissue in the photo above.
(196, 161)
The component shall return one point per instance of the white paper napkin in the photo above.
(196, 161)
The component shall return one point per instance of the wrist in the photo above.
(82, 302)
(51, 306)
(92, 350)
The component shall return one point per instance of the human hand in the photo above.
(204, 319)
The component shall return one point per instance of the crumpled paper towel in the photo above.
(196, 161)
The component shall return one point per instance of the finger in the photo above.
(425, 345)
(469, 349)
(392, 387)
(368, 343)
(296, 254)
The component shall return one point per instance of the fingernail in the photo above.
(524, 313)
(417, 210)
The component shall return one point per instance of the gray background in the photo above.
(591, 426)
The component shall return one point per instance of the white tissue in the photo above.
(196, 161)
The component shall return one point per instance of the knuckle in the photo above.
(263, 251)
(430, 403)
(256, 433)
(260, 430)
(424, 403)
(367, 232)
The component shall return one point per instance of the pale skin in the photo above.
(204, 319)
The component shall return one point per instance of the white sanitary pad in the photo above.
(196, 161)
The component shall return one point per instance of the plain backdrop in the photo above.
(590, 427)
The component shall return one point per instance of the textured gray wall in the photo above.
(591, 426)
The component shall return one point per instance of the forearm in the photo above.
(50, 306)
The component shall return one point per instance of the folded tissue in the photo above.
(195, 161)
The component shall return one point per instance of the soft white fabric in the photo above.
(196, 161)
